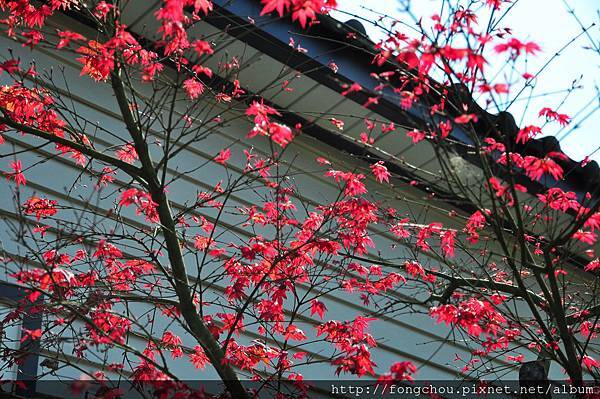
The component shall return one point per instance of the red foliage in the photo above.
(380, 172)
(550, 114)
(143, 202)
(279, 254)
(301, 10)
(40, 207)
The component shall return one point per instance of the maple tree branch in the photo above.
(456, 283)
(577, 317)
(558, 313)
(180, 278)
(131, 170)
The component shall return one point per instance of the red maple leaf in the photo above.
(381, 172)
(223, 156)
(318, 308)
(281, 6)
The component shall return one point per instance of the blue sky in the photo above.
(548, 23)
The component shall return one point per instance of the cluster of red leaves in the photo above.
(56, 279)
(143, 202)
(40, 207)
(527, 133)
(420, 56)
(127, 153)
(568, 201)
(560, 200)
(402, 229)
(550, 114)
(172, 343)
(173, 22)
(124, 275)
(416, 270)
(199, 358)
(108, 328)
(249, 357)
(274, 266)
(271, 266)
(588, 328)
(380, 172)
(193, 88)
(375, 283)
(504, 190)
(24, 14)
(590, 363)
(516, 47)
(302, 11)
(223, 156)
(535, 168)
(32, 107)
(477, 317)
(400, 371)
(354, 342)
(263, 126)
(475, 223)
(98, 59)
(353, 217)
(352, 182)
(17, 173)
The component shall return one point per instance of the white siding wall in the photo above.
(413, 337)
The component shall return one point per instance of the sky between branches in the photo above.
(548, 23)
